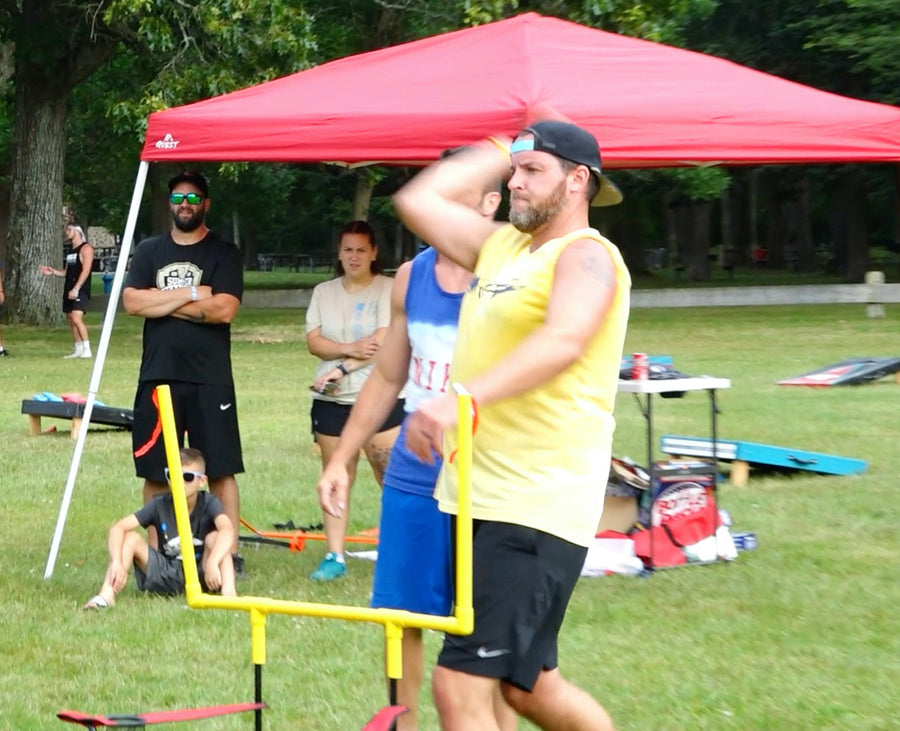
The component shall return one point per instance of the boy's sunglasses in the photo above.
(187, 476)
(195, 199)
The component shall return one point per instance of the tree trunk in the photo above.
(363, 197)
(857, 236)
(806, 248)
(35, 227)
(698, 225)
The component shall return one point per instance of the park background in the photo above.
(802, 633)
(80, 79)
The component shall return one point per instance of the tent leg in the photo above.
(99, 360)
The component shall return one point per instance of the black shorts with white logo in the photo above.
(207, 414)
(328, 418)
(522, 581)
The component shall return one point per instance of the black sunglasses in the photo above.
(195, 199)
(187, 476)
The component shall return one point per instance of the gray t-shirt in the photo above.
(346, 317)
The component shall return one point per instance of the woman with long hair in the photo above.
(346, 321)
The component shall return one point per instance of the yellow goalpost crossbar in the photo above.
(394, 620)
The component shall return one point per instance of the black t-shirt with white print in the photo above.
(176, 349)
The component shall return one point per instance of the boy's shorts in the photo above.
(523, 579)
(413, 571)
(162, 575)
(206, 413)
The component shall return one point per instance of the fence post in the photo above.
(875, 299)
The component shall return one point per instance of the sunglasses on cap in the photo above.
(186, 475)
(176, 199)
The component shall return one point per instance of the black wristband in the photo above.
(342, 368)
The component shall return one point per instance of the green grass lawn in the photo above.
(803, 633)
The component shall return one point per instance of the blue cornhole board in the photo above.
(744, 454)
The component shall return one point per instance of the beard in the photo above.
(191, 223)
(530, 219)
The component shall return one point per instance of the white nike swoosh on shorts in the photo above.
(483, 652)
(224, 407)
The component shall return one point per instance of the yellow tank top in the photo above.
(540, 459)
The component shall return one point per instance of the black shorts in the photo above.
(79, 303)
(328, 418)
(206, 413)
(523, 579)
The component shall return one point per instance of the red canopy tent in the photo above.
(649, 105)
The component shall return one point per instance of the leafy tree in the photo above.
(184, 52)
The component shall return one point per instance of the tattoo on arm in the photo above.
(198, 318)
(598, 268)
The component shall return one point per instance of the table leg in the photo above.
(740, 473)
(76, 426)
(34, 424)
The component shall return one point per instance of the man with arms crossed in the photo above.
(540, 340)
(187, 284)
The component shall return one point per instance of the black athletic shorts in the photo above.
(522, 581)
(328, 418)
(207, 414)
(79, 303)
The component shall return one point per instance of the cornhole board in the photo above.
(744, 454)
(852, 372)
(108, 415)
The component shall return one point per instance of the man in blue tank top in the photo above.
(413, 571)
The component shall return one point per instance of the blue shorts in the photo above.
(413, 571)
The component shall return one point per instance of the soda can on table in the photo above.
(639, 367)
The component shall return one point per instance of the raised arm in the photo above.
(437, 205)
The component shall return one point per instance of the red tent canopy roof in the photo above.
(649, 105)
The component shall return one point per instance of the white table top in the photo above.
(677, 385)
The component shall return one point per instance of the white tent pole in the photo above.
(97, 371)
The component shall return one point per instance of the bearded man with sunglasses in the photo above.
(187, 284)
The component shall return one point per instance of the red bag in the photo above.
(671, 537)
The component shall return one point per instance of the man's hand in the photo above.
(425, 428)
(333, 487)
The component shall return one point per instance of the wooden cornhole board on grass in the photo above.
(744, 454)
(107, 415)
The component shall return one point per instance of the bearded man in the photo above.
(539, 344)
(187, 284)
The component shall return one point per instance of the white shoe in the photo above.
(84, 354)
(74, 354)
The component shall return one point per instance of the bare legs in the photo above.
(226, 489)
(134, 552)
(465, 703)
(377, 451)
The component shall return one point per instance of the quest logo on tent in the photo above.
(167, 143)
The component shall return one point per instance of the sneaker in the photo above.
(238, 561)
(4, 353)
(84, 354)
(332, 567)
(73, 354)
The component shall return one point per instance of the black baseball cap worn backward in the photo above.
(570, 142)
(194, 178)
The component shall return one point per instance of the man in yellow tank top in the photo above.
(540, 340)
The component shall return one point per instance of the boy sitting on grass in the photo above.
(160, 571)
